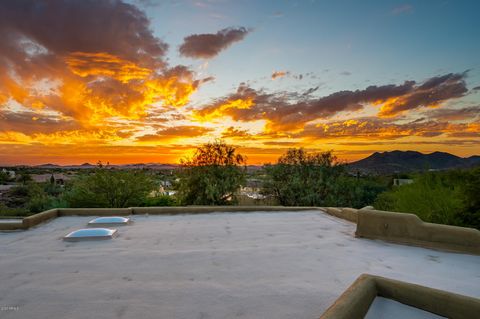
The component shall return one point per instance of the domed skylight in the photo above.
(111, 220)
(90, 234)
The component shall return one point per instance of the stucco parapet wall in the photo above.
(168, 210)
(12, 225)
(95, 211)
(356, 300)
(36, 219)
(346, 213)
(408, 229)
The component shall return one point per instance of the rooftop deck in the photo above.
(222, 265)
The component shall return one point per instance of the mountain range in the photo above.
(411, 161)
(377, 163)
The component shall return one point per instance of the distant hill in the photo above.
(411, 161)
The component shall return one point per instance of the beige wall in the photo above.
(409, 229)
(355, 301)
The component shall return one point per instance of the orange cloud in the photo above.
(378, 129)
(232, 132)
(224, 109)
(173, 133)
(91, 96)
(431, 93)
(285, 111)
(105, 71)
(278, 74)
(103, 64)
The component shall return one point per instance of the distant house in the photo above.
(402, 181)
(253, 185)
(252, 189)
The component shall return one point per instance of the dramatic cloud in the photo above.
(89, 80)
(232, 132)
(87, 60)
(282, 113)
(207, 46)
(431, 93)
(175, 132)
(286, 111)
(29, 122)
(450, 114)
(106, 65)
(379, 129)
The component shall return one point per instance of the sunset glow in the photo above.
(126, 82)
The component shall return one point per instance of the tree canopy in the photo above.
(301, 178)
(212, 175)
(110, 188)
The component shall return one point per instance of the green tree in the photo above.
(212, 176)
(110, 188)
(31, 197)
(303, 179)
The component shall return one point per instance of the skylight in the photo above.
(111, 220)
(90, 234)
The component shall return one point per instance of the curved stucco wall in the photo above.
(356, 300)
(409, 229)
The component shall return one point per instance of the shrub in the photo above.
(110, 188)
(10, 212)
(433, 197)
(160, 200)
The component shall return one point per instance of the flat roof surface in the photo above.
(223, 265)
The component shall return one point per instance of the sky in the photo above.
(146, 81)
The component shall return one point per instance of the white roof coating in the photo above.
(383, 308)
(224, 265)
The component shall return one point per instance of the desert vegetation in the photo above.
(216, 173)
(300, 178)
(212, 176)
(448, 197)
